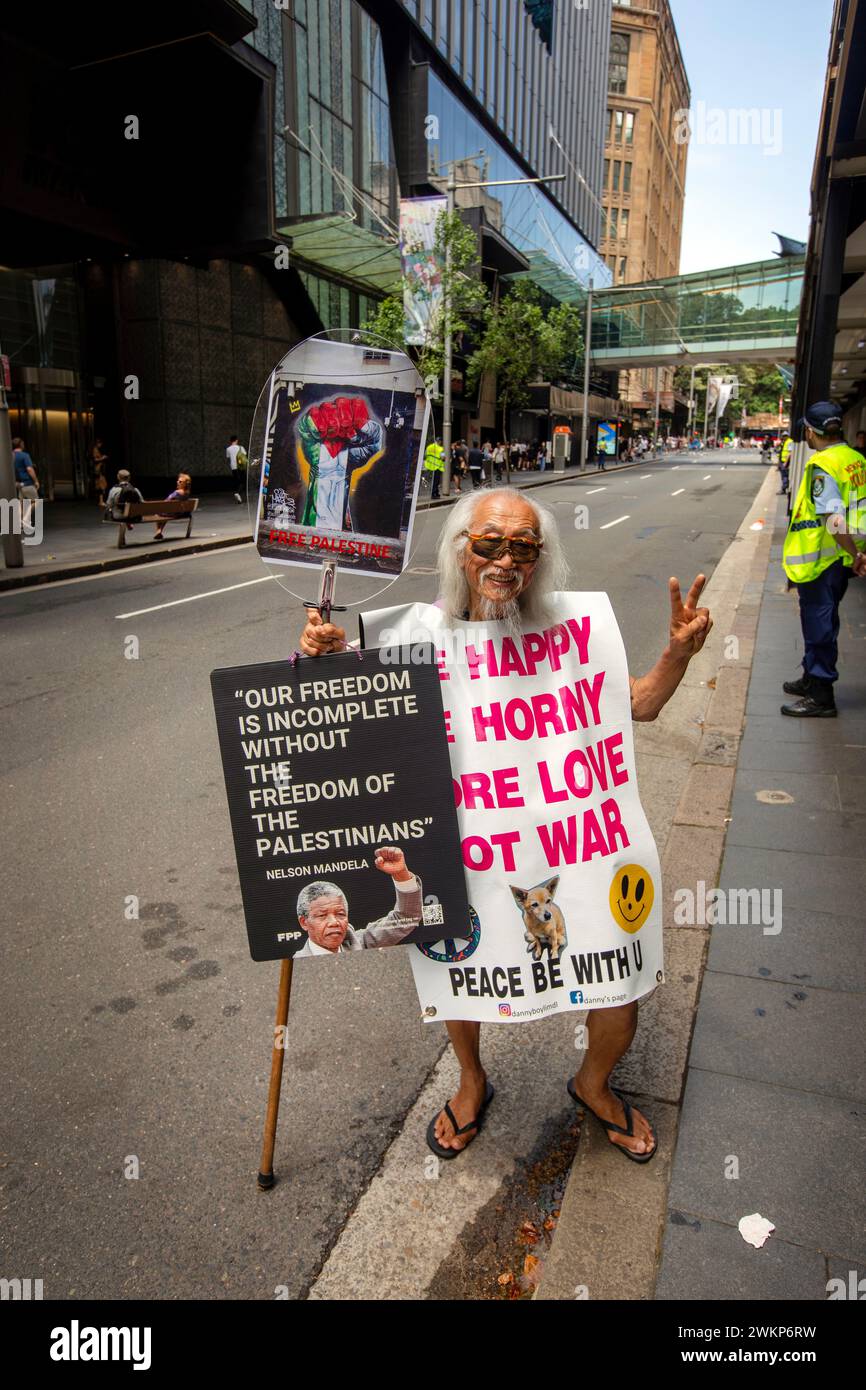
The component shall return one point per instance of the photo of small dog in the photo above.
(543, 921)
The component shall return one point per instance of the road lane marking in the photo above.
(596, 489)
(608, 524)
(707, 475)
(675, 467)
(678, 491)
(211, 593)
(646, 475)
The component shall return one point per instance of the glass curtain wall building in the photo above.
(539, 70)
(380, 96)
(297, 123)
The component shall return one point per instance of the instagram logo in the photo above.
(505, 1010)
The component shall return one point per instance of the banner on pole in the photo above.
(422, 272)
(562, 871)
(337, 776)
(341, 445)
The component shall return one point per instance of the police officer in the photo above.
(434, 462)
(822, 549)
(784, 462)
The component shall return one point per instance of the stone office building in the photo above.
(643, 185)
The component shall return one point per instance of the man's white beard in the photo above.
(505, 611)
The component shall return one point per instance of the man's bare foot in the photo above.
(609, 1107)
(465, 1105)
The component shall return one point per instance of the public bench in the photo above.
(181, 509)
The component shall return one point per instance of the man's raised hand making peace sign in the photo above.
(689, 624)
(690, 627)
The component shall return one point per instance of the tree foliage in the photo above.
(761, 385)
(522, 342)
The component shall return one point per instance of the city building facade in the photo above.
(643, 180)
(164, 254)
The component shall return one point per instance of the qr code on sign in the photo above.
(431, 915)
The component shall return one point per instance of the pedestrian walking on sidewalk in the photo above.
(236, 457)
(99, 459)
(26, 480)
(476, 465)
(500, 562)
(820, 554)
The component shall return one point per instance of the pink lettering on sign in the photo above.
(579, 629)
(541, 715)
(585, 771)
(510, 665)
(478, 853)
(497, 789)
(534, 651)
(562, 844)
(538, 647)
(558, 642)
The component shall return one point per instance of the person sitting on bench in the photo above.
(120, 494)
(181, 492)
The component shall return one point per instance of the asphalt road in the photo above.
(142, 1042)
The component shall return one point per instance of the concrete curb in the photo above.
(28, 579)
(614, 1253)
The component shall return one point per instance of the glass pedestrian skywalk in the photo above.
(730, 314)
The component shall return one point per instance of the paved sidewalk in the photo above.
(776, 1084)
(77, 542)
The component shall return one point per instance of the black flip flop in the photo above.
(617, 1129)
(475, 1124)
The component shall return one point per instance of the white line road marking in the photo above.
(646, 475)
(608, 524)
(183, 558)
(137, 612)
(707, 475)
(675, 467)
(596, 489)
(678, 491)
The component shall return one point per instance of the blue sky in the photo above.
(743, 54)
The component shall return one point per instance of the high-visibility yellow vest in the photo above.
(809, 547)
(785, 451)
(434, 456)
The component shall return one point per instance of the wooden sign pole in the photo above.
(266, 1167)
(265, 1177)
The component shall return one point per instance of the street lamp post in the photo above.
(446, 308)
(658, 391)
(587, 348)
(448, 355)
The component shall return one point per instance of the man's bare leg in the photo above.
(466, 1041)
(610, 1034)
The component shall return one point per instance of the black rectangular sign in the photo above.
(338, 778)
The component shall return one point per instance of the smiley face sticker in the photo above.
(631, 897)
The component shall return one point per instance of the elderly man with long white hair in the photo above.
(500, 561)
